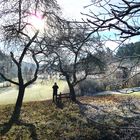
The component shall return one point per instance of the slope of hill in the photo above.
(69, 121)
(44, 121)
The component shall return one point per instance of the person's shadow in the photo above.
(60, 105)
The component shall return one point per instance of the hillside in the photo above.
(2, 55)
(94, 118)
(43, 120)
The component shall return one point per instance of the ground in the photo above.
(45, 121)
(119, 115)
(108, 115)
(92, 118)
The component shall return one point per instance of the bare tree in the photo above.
(122, 16)
(74, 55)
(20, 36)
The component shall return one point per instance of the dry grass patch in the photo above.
(101, 119)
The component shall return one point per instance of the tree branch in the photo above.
(36, 71)
(9, 80)
(27, 46)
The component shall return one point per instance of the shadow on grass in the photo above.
(60, 105)
(4, 128)
(122, 123)
(31, 128)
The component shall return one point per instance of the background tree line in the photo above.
(129, 50)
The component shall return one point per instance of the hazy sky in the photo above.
(72, 8)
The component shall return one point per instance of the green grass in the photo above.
(43, 120)
(36, 92)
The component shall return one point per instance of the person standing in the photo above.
(55, 90)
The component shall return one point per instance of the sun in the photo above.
(37, 21)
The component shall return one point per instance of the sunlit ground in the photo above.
(42, 90)
(36, 92)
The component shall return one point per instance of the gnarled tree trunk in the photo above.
(17, 109)
(71, 89)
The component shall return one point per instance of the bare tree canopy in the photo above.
(122, 16)
(73, 54)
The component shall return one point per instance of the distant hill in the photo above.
(2, 56)
(10, 69)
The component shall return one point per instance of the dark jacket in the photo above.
(55, 88)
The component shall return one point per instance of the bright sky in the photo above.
(72, 8)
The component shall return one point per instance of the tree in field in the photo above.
(20, 26)
(74, 55)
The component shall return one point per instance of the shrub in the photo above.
(134, 81)
(90, 86)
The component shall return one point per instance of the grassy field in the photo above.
(43, 120)
(36, 92)
(111, 117)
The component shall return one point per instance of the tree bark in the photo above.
(72, 91)
(17, 109)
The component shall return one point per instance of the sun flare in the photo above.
(37, 22)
